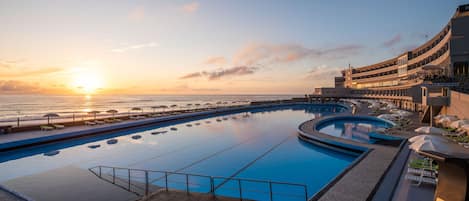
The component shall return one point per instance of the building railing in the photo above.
(143, 182)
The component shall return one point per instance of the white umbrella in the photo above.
(464, 127)
(459, 123)
(419, 138)
(424, 142)
(438, 146)
(390, 117)
(428, 130)
(401, 113)
(446, 120)
(440, 116)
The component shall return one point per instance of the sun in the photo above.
(87, 82)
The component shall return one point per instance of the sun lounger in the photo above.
(117, 120)
(421, 179)
(424, 172)
(46, 128)
(457, 134)
(425, 164)
(90, 123)
(58, 126)
(109, 121)
(99, 122)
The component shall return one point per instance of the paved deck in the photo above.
(7, 196)
(68, 183)
(405, 191)
(360, 181)
(183, 196)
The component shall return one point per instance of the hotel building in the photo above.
(416, 79)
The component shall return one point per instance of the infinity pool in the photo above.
(258, 144)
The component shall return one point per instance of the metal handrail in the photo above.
(187, 176)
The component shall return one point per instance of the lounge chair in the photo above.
(455, 134)
(58, 126)
(420, 179)
(46, 128)
(109, 121)
(422, 170)
(90, 123)
(117, 120)
(424, 164)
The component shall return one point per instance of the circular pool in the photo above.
(357, 128)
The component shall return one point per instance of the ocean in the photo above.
(32, 108)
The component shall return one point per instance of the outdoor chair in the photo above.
(90, 123)
(46, 128)
(422, 170)
(58, 126)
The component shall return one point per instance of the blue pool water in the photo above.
(357, 129)
(258, 144)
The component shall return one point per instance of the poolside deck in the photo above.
(7, 196)
(174, 195)
(362, 181)
(68, 183)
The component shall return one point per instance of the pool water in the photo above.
(361, 130)
(258, 144)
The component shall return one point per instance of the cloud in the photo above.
(190, 7)
(215, 61)
(234, 71)
(254, 54)
(137, 14)
(134, 47)
(323, 71)
(26, 72)
(393, 41)
(186, 88)
(15, 86)
(218, 74)
(322, 75)
(11, 63)
(191, 75)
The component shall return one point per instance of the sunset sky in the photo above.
(202, 47)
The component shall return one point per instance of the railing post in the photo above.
(100, 171)
(270, 191)
(187, 183)
(146, 182)
(306, 193)
(166, 180)
(129, 178)
(113, 175)
(240, 190)
(212, 187)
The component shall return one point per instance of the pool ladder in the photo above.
(134, 179)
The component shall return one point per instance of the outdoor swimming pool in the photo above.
(361, 129)
(258, 144)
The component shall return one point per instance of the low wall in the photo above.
(459, 105)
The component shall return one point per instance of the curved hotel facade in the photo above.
(415, 78)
